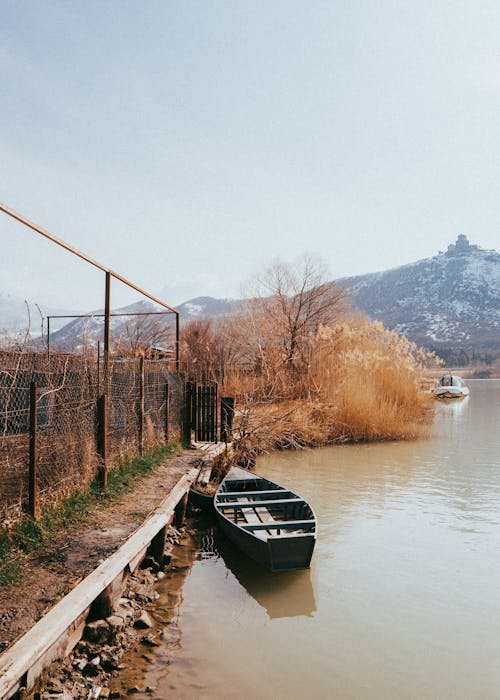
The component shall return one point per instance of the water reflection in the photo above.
(148, 666)
(287, 594)
(405, 576)
(453, 476)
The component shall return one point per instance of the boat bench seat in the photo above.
(279, 525)
(254, 514)
(253, 504)
(257, 516)
(240, 494)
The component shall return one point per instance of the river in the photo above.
(403, 596)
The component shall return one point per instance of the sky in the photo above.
(187, 145)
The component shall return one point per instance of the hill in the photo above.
(449, 303)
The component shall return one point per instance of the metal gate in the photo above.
(201, 410)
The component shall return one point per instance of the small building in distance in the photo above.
(462, 245)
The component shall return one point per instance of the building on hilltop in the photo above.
(462, 245)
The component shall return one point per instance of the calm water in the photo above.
(403, 597)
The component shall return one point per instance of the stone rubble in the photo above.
(85, 673)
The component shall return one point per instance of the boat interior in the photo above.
(264, 508)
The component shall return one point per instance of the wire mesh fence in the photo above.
(144, 408)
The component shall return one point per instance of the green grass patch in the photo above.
(29, 535)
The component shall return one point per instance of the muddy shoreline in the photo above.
(111, 658)
(49, 574)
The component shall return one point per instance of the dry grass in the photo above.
(361, 383)
(374, 379)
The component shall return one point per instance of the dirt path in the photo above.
(51, 574)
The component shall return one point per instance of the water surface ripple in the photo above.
(402, 600)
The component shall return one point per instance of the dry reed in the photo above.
(361, 382)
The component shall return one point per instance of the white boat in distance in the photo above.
(449, 386)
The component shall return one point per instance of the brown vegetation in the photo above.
(67, 433)
(307, 372)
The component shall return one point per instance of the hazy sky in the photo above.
(187, 144)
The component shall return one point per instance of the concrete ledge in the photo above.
(55, 635)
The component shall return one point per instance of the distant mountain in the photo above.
(127, 325)
(16, 315)
(207, 307)
(449, 303)
(135, 323)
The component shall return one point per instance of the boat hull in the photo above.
(275, 554)
(450, 386)
(203, 501)
(281, 533)
(451, 392)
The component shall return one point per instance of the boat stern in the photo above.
(291, 552)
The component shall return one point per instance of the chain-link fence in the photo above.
(144, 408)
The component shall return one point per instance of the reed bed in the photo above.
(360, 383)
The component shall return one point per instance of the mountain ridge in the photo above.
(448, 303)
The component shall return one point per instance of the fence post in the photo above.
(198, 435)
(33, 486)
(226, 417)
(102, 438)
(216, 411)
(98, 367)
(166, 411)
(141, 405)
(188, 412)
(180, 511)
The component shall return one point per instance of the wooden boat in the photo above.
(450, 386)
(201, 493)
(199, 499)
(270, 524)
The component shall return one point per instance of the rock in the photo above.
(149, 641)
(80, 664)
(144, 621)
(96, 661)
(150, 563)
(124, 608)
(97, 631)
(145, 592)
(55, 686)
(126, 613)
(109, 663)
(91, 670)
(116, 622)
(160, 575)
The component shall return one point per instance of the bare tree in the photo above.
(295, 301)
(208, 346)
(139, 335)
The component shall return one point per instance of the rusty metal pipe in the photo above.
(23, 220)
